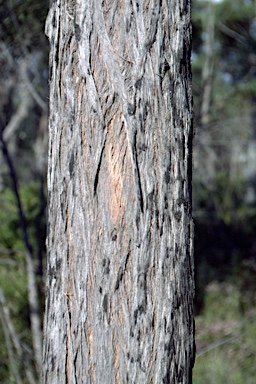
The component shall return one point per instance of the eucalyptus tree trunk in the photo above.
(120, 286)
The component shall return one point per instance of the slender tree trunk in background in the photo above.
(207, 72)
(33, 299)
(120, 286)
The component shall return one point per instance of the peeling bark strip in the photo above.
(120, 285)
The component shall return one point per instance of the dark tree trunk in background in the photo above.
(120, 286)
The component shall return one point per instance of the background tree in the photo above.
(224, 184)
(120, 289)
(224, 191)
(23, 116)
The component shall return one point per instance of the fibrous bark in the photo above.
(120, 260)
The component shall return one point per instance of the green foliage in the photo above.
(13, 274)
(247, 89)
(225, 338)
(10, 230)
(23, 45)
(14, 284)
(223, 199)
(234, 52)
(228, 197)
(225, 218)
(34, 211)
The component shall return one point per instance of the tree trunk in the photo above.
(207, 72)
(120, 286)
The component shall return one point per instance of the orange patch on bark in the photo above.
(116, 184)
(90, 341)
(68, 370)
(115, 170)
(90, 346)
(116, 365)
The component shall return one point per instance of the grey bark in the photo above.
(120, 286)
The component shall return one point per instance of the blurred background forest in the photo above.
(224, 188)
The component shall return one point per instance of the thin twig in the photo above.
(216, 344)
(15, 339)
(19, 116)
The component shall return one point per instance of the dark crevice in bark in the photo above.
(190, 166)
(138, 181)
(96, 178)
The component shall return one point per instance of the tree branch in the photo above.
(32, 287)
(18, 116)
(229, 32)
